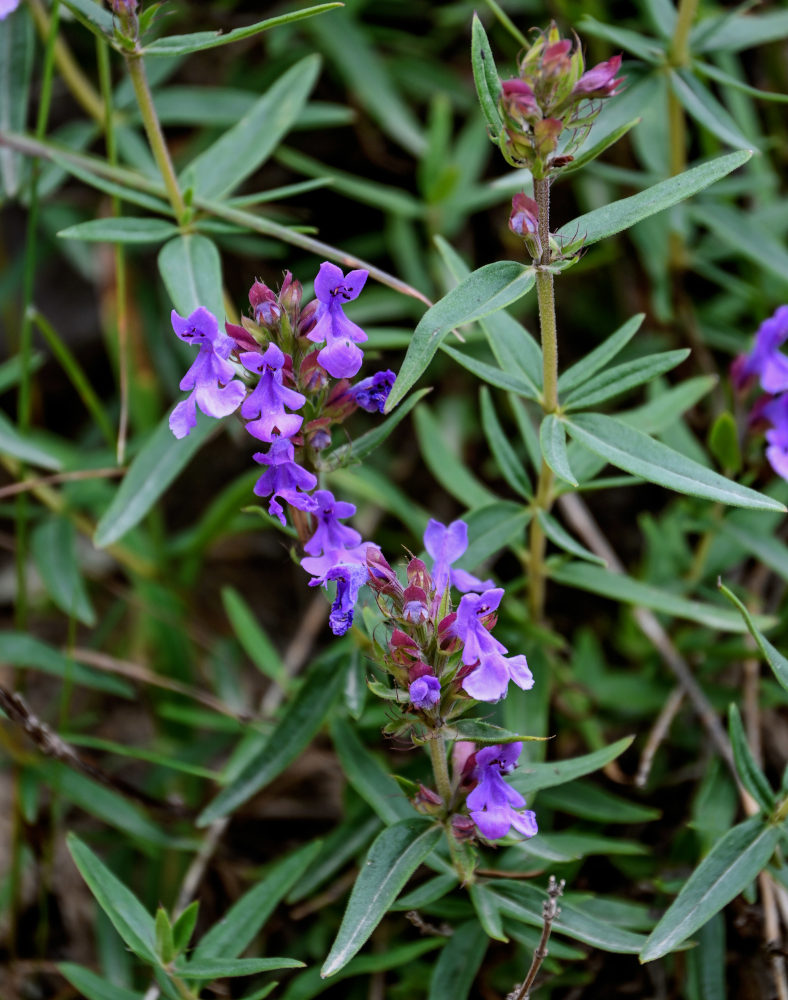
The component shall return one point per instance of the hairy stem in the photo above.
(545, 293)
(550, 911)
(440, 768)
(154, 133)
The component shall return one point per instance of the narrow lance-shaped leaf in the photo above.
(773, 656)
(191, 270)
(55, 554)
(393, 858)
(750, 773)
(621, 378)
(17, 45)
(706, 109)
(530, 778)
(509, 464)
(457, 965)
(727, 870)
(597, 359)
(641, 455)
(552, 438)
(120, 230)
(19, 446)
(484, 291)
(620, 215)
(485, 76)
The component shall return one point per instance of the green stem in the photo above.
(679, 46)
(440, 768)
(545, 293)
(677, 124)
(156, 140)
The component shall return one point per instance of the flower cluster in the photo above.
(280, 387)
(553, 93)
(495, 806)
(768, 363)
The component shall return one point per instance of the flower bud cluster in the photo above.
(552, 94)
(284, 373)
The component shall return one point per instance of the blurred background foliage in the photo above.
(151, 655)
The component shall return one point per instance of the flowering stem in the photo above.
(440, 768)
(545, 293)
(154, 133)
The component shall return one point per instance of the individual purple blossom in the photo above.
(490, 678)
(776, 412)
(332, 543)
(599, 81)
(766, 360)
(284, 478)
(7, 7)
(269, 398)
(211, 377)
(425, 692)
(446, 545)
(350, 578)
(493, 804)
(341, 358)
(371, 393)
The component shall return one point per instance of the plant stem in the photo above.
(154, 133)
(550, 911)
(440, 769)
(679, 47)
(545, 293)
(677, 124)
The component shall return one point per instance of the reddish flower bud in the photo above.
(524, 222)
(243, 339)
(600, 80)
(266, 309)
(427, 801)
(463, 828)
(418, 575)
(518, 101)
(415, 609)
(313, 377)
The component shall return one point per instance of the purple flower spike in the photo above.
(446, 545)
(493, 804)
(332, 544)
(284, 478)
(766, 360)
(371, 393)
(350, 578)
(425, 691)
(211, 376)
(341, 358)
(268, 400)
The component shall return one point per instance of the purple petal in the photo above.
(215, 401)
(184, 417)
(341, 358)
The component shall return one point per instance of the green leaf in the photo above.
(365, 774)
(243, 148)
(750, 773)
(524, 902)
(426, 893)
(300, 722)
(509, 464)
(484, 291)
(552, 439)
(121, 229)
(513, 381)
(641, 455)
(732, 32)
(183, 928)
(179, 45)
(699, 102)
(724, 442)
(447, 468)
(624, 588)
(716, 74)
(128, 916)
(727, 870)
(191, 270)
(559, 536)
(94, 987)
(161, 459)
(393, 858)
(259, 648)
(362, 447)
(53, 545)
(773, 657)
(589, 801)
(515, 350)
(490, 529)
(241, 923)
(17, 46)
(486, 906)
(590, 152)
(93, 17)
(620, 215)
(219, 968)
(344, 842)
(165, 945)
(745, 234)
(484, 732)
(662, 412)
(119, 190)
(645, 48)
(621, 378)
(454, 972)
(529, 778)
(20, 650)
(600, 357)
(18, 446)
(485, 77)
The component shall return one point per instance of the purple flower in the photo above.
(283, 478)
(371, 393)
(7, 7)
(425, 691)
(766, 360)
(446, 545)
(269, 398)
(490, 679)
(211, 376)
(341, 358)
(776, 412)
(600, 80)
(493, 804)
(332, 544)
(350, 578)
